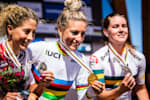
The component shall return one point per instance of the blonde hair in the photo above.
(72, 11)
(14, 15)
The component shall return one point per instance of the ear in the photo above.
(59, 32)
(9, 29)
(105, 32)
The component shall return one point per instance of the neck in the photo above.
(119, 48)
(14, 48)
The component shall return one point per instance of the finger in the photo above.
(48, 72)
(97, 89)
(12, 95)
(132, 85)
(127, 77)
(98, 84)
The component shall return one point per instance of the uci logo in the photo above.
(53, 54)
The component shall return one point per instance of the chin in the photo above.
(23, 48)
(73, 48)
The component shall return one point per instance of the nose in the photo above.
(120, 29)
(30, 36)
(79, 38)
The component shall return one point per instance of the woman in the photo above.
(58, 58)
(18, 24)
(124, 67)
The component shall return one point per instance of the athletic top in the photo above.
(65, 70)
(107, 59)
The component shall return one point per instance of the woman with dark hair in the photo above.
(123, 66)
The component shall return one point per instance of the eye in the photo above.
(115, 26)
(27, 31)
(124, 25)
(75, 32)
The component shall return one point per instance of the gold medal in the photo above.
(92, 77)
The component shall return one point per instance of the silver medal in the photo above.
(126, 70)
(42, 67)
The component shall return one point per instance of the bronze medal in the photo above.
(126, 70)
(42, 67)
(92, 77)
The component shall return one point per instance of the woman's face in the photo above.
(117, 32)
(74, 33)
(22, 35)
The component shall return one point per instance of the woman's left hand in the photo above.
(97, 86)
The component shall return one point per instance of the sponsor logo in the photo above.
(56, 55)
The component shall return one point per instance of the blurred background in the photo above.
(137, 12)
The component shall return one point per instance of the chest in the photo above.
(63, 67)
(114, 67)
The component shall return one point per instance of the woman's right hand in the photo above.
(98, 87)
(128, 83)
(12, 96)
(46, 78)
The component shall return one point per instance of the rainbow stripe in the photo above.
(82, 87)
(60, 49)
(57, 89)
(100, 75)
(35, 73)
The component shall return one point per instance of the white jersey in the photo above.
(65, 70)
(106, 60)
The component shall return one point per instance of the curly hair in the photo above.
(14, 15)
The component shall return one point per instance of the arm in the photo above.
(141, 92)
(140, 88)
(36, 89)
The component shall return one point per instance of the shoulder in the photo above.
(139, 56)
(102, 52)
(41, 44)
(100, 55)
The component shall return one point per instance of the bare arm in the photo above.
(37, 89)
(141, 92)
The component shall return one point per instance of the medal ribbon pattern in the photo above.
(74, 56)
(11, 54)
(118, 56)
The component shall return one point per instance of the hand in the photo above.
(128, 83)
(97, 86)
(12, 96)
(46, 78)
(32, 96)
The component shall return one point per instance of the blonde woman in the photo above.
(60, 56)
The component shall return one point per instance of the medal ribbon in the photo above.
(117, 55)
(11, 54)
(74, 56)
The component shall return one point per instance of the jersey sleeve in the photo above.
(141, 70)
(82, 83)
(97, 68)
(35, 50)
